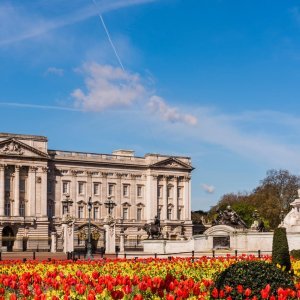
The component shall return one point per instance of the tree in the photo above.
(283, 187)
(270, 198)
(280, 249)
(275, 194)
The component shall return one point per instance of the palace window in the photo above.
(159, 191)
(7, 208)
(139, 191)
(125, 190)
(80, 212)
(169, 191)
(179, 192)
(64, 209)
(80, 188)
(22, 185)
(169, 216)
(7, 184)
(65, 187)
(111, 189)
(49, 187)
(125, 213)
(22, 208)
(179, 214)
(139, 214)
(96, 188)
(96, 212)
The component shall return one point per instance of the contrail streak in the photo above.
(28, 105)
(108, 36)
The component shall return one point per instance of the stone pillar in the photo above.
(154, 199)
(164, 210)
(2, 189)
(110, 238)
(31, 191)
(175, 198)
(53, 242)
(118, 197)
(122, 242)
(104, 193)
(89, 186)
(73, 194)
(151, 197)
(44, 183)
(16, 211)
(187, 198)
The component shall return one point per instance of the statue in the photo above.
(229, 217)
(153, 229)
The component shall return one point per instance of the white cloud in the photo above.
(169, 113)
(106, 87)
(208, 188)
(55, 71)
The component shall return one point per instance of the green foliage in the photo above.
(280, 249)
(254, 275)
(295, 254)
(274, 194)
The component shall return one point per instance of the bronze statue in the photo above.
(153, 229)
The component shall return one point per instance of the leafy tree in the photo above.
(273, 196)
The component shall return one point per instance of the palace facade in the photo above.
(39, 186)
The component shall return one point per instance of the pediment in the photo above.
(14, 147)
(172, 163)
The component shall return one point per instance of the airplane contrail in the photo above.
(28, 105)
(108, 36)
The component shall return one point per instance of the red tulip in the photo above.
(247, 292)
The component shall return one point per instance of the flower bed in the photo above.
(178, 278)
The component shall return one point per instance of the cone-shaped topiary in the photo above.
(280, 249)
(254, 276)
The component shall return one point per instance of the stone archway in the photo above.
(8, 238)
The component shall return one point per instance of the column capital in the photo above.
(32, 169)
(2, 166)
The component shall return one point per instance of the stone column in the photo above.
(31, 191)
(187, 198)
(16, 211)
(73, 194)
(118, 197)
(154, 197)
(175, 198)
(164, 210)
(104, 187)
(151, 197)
(44, 182)
(2, 189)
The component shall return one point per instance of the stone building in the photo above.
(39, 186)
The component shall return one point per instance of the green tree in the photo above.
(280, 249)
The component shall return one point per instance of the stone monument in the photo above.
(110, 228)
(68, 233)
(292, 220)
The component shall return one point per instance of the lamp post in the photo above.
(89, 254)
(68, 202)
(110, 205)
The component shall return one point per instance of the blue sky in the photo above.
(217, 80)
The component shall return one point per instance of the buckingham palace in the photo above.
(38, 186)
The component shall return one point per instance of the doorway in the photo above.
(8, 238)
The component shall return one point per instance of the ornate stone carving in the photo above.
(12, 148)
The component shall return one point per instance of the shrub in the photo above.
(280, 249)
(295, 254)
(254, 275)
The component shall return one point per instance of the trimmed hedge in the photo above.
(280, 249)
(255, 275)
(295, 254)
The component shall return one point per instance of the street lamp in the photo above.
(68, 202)
(89, 254)
(110, 205)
